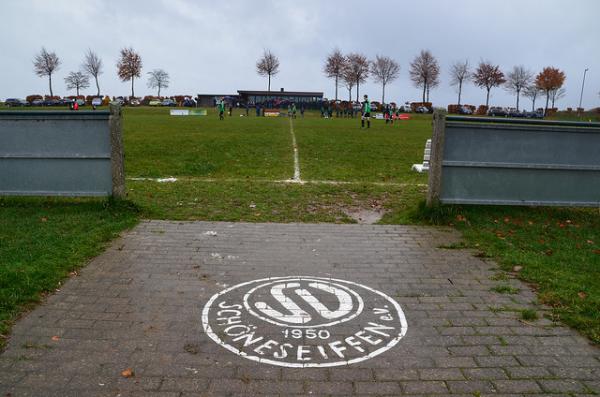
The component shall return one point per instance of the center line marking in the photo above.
(296, 178)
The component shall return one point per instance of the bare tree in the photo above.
(92, 65)
(488, 76)
(424, 72)
(357, 69)
(557, 94)
(77, 81)
(517, 79)
(158, 79)
(334, 67)
(531, 92)
(459, 74)
(129, 66)
(384, 70)
(268, 65)
(348, 80)
(45, 64)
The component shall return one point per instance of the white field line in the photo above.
(277, 181)
(296, 178)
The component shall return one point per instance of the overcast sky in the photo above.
(212, 46)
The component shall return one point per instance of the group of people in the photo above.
(326, 111)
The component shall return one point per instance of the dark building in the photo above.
(274, 99)
(210, 100)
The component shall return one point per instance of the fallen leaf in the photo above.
(590, 241)
(506, 220)
(127, 373)
(55, 338)
(597, 252)
(44, 219)
(549, 252)
(529, 223)
(582, 295)
(191, 348)
(517, 268)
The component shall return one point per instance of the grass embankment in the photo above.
(43, 240)
(556, 250)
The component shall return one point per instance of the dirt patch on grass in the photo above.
(367, 216)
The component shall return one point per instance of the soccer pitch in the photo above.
(270, 169)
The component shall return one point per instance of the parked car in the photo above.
(134, 102)
(155, 102)
(497, 111)
(189, 102)
(169, 102)
(423, 109)
(534, 115)
(515, 113)
(12, 102)
(37, 102)
(97, 101)
(465, 110)
(52, 102)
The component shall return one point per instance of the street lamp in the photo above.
(582, 85)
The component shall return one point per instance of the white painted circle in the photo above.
(380, 322)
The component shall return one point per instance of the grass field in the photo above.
(239, 170)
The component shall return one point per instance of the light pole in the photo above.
(582, 85)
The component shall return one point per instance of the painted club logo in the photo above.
(304, 321)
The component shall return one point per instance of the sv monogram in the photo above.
(295, 314)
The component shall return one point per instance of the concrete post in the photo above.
(436, 158)
(117, 153)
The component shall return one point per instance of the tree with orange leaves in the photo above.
(549, 80)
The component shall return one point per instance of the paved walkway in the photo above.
(141, 307)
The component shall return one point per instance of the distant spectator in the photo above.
(221, 107)
(366, 113)
(302, 110)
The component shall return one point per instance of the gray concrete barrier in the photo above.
(61, 153)
(476, 160)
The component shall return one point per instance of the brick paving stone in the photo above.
(441, 374)
(517, 386)
(329, 388)
(484, 373)
(562, 386)
(377, 387)
(139, 305)
(470, 386)
(424, 387)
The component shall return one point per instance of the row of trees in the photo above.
(354, 68)
(518, 80)
(129, 67)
